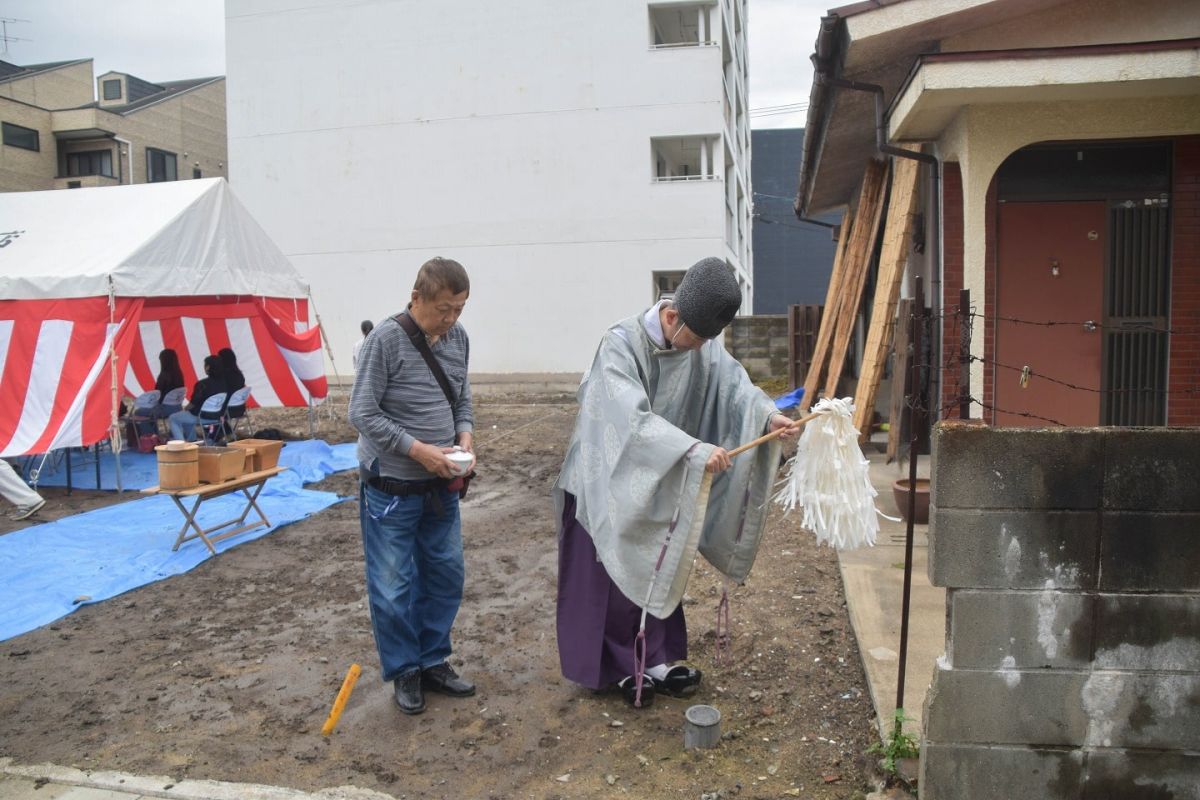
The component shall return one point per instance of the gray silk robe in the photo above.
(648, 421)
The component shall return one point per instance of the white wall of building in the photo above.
(369, 135)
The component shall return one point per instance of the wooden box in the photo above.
(262, 453)
(219, 464)
(178, 468)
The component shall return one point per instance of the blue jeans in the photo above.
(183, 425)
(415, 573)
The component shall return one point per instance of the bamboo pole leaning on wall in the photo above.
(897, 239)
(859, 250)
(820, 354)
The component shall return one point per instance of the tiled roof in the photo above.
(10, 72)
(168, 89)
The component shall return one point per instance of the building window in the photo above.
(665, 284)
(112, 89)
(16, 136)
(196, 172)
(74, 184)
(90, 162)
(160, 166)
(680, 25)
(686, 158)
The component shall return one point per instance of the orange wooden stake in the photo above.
(342, 696)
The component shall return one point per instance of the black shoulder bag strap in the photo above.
(418, 340)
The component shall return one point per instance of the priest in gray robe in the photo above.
(647, 483)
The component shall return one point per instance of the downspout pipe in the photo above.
(128, 158)
(935, 183)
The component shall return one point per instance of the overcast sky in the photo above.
(162, 40)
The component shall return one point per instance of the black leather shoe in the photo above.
(628, 687)
(680, 681)
(409, 696)
(444, 680)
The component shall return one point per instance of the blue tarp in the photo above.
(47, 571)
(789, 400)
(140, 470)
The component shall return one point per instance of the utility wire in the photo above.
(777, 113)
(801, 103)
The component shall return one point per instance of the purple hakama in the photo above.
(597, 624)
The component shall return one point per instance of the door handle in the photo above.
(1089, 326)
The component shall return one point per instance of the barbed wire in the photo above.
(951, 397)
(945, 409)
(1139, 327)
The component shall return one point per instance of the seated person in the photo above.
(234, 379)
(183, 423)
(170, 376)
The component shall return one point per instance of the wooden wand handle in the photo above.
(774, 434)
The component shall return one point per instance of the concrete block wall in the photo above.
(1071, 560)
(761, 344)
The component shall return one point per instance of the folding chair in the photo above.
(143, 411)
(235, 412)
(172, 401)
(210, 422)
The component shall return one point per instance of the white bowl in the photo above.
(462, 461)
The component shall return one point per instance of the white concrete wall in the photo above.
(369, 135)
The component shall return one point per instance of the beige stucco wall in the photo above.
(65, 87)
(1086, 22)
(981, 137)
(26, 170)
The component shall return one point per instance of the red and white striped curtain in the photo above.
(56, 374)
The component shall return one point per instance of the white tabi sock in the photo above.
(659, 672)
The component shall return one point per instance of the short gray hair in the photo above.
(440, 273)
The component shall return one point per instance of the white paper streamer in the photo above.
(830, 479)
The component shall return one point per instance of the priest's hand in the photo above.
(719, 461)
(780, 421)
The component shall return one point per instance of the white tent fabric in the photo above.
(94, 283)
(151, 240)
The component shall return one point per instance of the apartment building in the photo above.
(576, 158)
(64, 129)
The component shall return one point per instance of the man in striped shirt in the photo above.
(412, 537)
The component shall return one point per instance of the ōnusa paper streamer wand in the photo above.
(829, 477)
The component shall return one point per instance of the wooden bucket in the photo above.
(178, 468)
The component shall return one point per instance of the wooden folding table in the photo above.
(250, 485)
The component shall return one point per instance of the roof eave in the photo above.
(830, 49)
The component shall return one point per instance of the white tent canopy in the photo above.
(96, 283)
(181, 238)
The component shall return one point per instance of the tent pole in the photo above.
(328, 349)
(114, 431)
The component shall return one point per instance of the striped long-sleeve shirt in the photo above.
(396, 401)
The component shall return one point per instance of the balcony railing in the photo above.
(679, 45)
(680, 178)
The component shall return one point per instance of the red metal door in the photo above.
(1050, 268)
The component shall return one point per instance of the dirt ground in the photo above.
(228, 671)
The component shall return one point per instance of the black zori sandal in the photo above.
(680, 681)
(628, 687)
